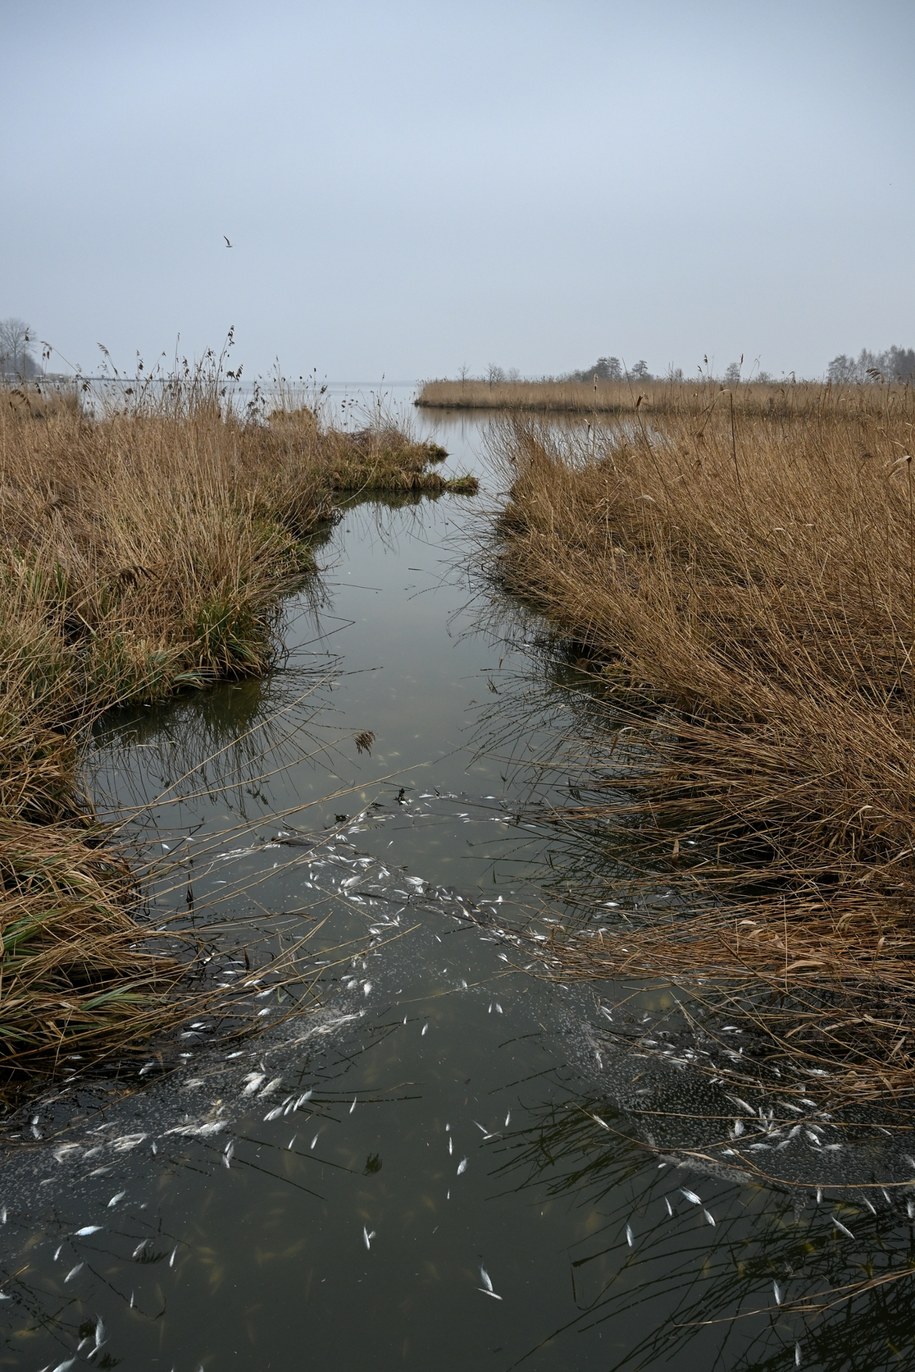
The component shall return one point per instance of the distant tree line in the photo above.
(17, 362)
(612, 369)
(894, 364)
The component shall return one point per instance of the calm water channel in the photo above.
(445, 1165)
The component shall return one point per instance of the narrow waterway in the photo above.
(443, 1164)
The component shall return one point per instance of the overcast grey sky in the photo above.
(415, 185)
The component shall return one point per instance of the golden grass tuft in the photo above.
(745, 585)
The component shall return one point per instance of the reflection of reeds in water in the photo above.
(693, 1266)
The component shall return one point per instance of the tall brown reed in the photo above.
(746, 585)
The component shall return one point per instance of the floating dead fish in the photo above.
(463, 1165)
(842, 1228)
(777, 1293)
(367, 1236)
(100, 1336)
(74, 1271)
(690, 1196)
(86, 1230)
(630, 1237)
(116, 1199)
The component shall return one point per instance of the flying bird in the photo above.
(228, 244)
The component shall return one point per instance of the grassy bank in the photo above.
(140, 554)
(670, 398)
(743, 588)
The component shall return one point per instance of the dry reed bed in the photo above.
(591, 398)
(746, 585)
(139, 554)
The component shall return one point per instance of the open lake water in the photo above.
(446, 1163)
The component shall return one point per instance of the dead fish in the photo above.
(630, 1237)
(116, 1198)
(670, 1209)
(710, 1218)
(100, 1335)
(463, 1165)
(777, 1293)
(74, 1271)
(690, 1196)
(86, 1230)
(842, 1228)
(603, 1123)
(367, 1237)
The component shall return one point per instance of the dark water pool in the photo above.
(446, 1164)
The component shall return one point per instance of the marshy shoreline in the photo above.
(145, 552)
(738, 584)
